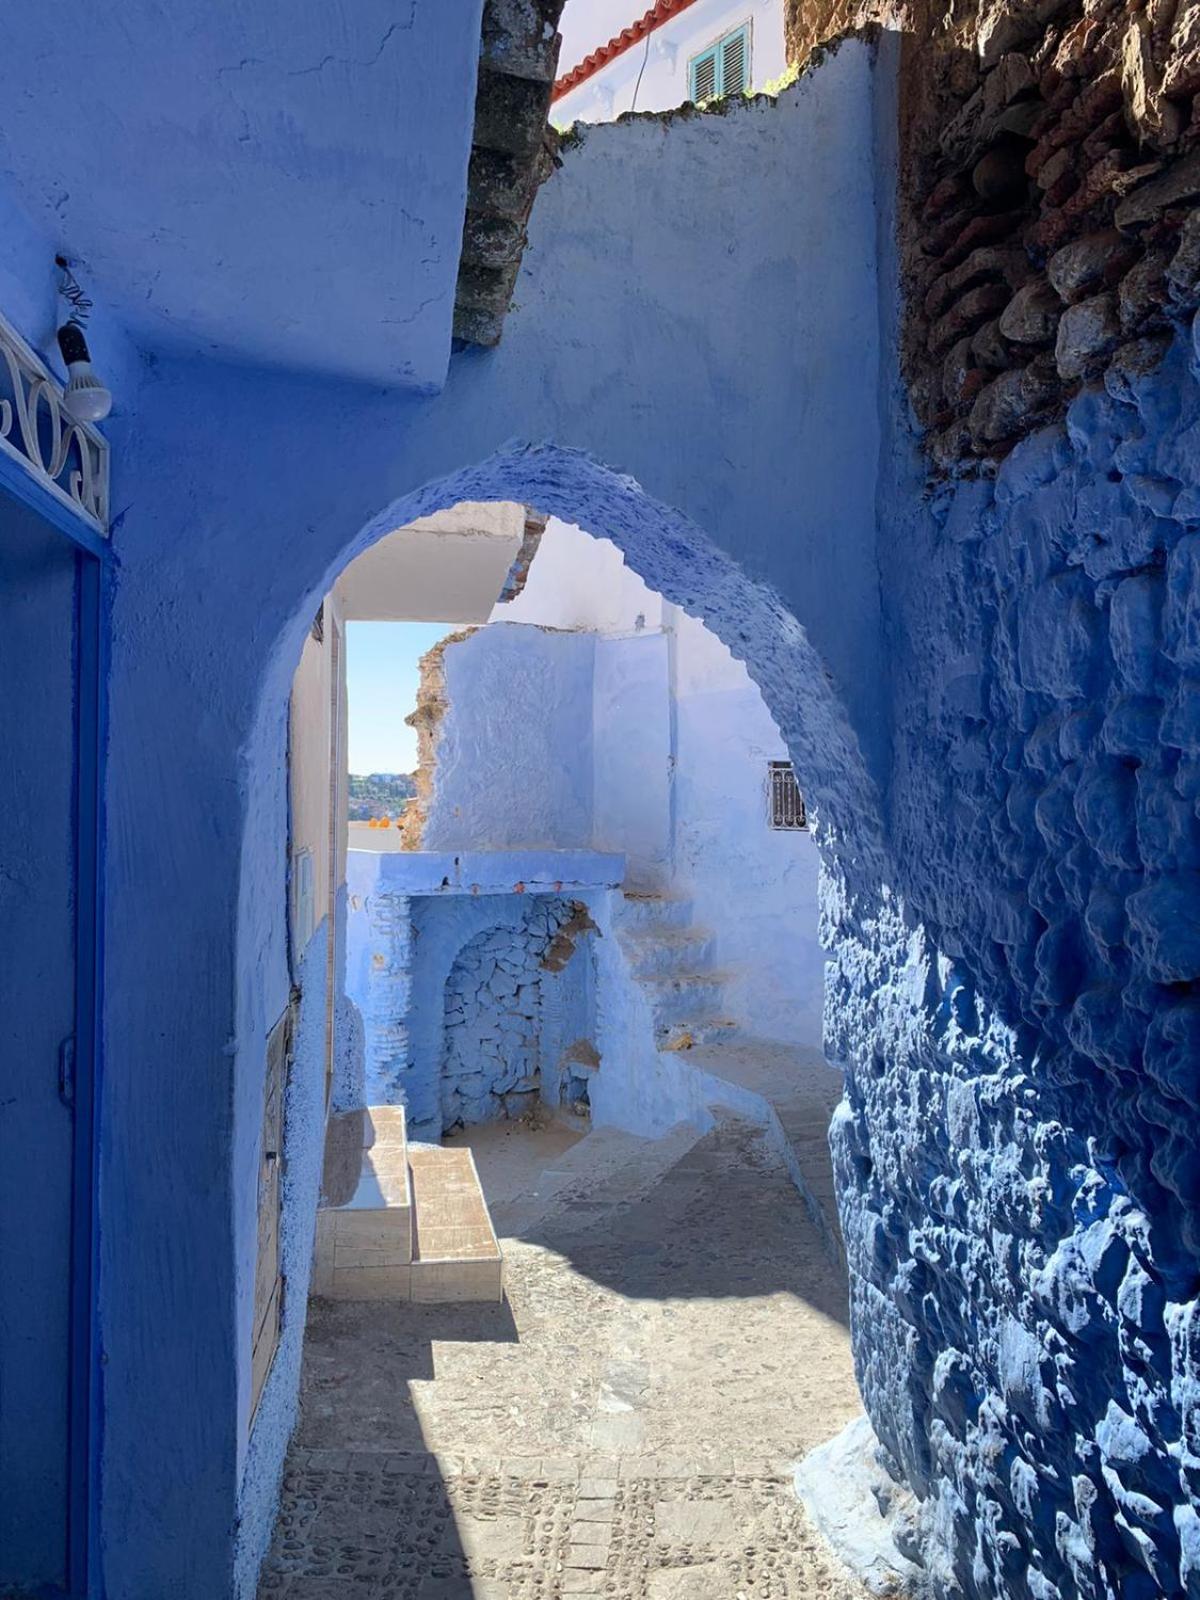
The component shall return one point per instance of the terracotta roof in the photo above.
(662, 11)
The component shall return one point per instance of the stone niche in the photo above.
(503, 1020)
(474, 977)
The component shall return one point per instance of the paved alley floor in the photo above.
(624, 1426)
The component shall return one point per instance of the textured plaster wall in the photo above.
(300, 1185)
(240, 498)
(631, 719)
(754, 887)
(514, 753)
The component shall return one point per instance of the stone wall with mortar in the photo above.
(500, 1052)
(1050, 169)
(471, 1006)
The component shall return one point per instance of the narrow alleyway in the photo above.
(624, 1425)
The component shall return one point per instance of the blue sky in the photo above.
(381, 678)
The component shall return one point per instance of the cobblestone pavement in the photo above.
(624, 1427)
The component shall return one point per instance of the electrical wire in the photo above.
(645, 57)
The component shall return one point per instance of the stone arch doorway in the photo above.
(673, 557)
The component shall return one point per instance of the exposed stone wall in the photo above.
(496, 1042)
(808, 24)
(1019, 1152)
(426, 718)
(1050, 178)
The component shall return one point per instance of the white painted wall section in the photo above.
(514, 754)
(756, 888)
(580, 581)
(663, 66)
(445, 568)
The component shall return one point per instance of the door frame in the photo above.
(79, 1078)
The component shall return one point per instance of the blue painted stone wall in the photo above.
(498, 1055)
(461, 1018)
(1019, 1148)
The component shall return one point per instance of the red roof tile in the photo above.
(662, 11)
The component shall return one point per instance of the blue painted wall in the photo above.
(1019, 1155)
(514, 751)
(1008, 833)
(232, 467)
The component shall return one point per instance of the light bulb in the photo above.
(85, 398)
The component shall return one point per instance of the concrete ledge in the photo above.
(448, 872)
(863, 1513)
(364, 1226)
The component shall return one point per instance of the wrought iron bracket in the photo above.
(67, 459)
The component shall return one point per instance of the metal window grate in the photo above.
(787, 803)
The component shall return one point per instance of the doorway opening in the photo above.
(589, 964)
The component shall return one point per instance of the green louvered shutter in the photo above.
(724, 68)
(735, 61)
(702, 77)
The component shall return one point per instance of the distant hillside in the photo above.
(380, 794)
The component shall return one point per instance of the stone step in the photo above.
(456, 1255)
(363, 1245)
(683, 997)
(697, 1034)
(609, 1166)
(651, 911)
(401, 1221)
(672, 952)
(798, 1091)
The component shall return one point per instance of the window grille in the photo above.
(788, 811)
(724, 68)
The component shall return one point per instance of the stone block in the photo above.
(1086, 333)
(1181, 613)
(1095, 259)
(1148, 200)
(1031, 316)
(1134, 629)
(1164, 919)
(1011, 403)
(364, 1225)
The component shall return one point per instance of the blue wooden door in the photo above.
(49, 746)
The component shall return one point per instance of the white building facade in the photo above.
(679, 50)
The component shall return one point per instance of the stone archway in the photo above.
(671, 555)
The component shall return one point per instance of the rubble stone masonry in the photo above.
(1049, 225)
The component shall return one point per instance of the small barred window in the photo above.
(788, 811)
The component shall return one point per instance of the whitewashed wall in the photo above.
(680, 746)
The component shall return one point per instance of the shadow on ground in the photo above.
(673, 1340)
